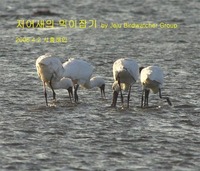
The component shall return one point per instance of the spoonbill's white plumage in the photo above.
(125, 74)
(152, 79)
(80, 72)
(50, 71)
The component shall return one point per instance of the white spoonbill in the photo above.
(80, 72)
(125, 74)
(152, 79)
(50, 71)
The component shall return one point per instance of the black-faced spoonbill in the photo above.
(50, 71)
(80, 72)
(152, 79)
(125, 74)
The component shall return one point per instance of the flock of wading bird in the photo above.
(75, 72)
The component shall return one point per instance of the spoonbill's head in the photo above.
(102, 89)
(116, 90)
(70, 91)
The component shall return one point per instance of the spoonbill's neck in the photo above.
(123, 86)
(115, 86)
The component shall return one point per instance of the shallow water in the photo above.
(90, 135)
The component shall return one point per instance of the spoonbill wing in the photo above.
(78, 70)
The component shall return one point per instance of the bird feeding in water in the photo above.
(80, 72)
(125, 74)
(152, 79)
(50, 71)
